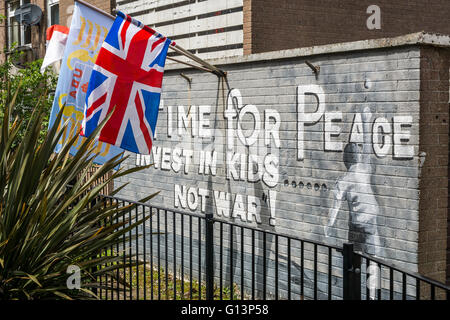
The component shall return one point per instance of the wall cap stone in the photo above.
(418, 38)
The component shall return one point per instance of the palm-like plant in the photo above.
(45, 226)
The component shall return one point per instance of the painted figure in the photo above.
(356, 189)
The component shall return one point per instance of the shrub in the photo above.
(45, 226)
(32, 88)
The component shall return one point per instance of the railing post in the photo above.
(351, 273)
(209, 256)
(94, 268)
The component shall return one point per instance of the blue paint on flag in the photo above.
(128, 141)
(152, 107)
(113, 36)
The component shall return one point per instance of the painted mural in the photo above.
(299, 158)
(332, 158)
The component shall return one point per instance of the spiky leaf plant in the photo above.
(46, 226)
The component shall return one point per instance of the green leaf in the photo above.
(34, 279)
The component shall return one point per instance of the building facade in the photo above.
(361, 128)
(358, 152)
(213, 29)
(32, 39)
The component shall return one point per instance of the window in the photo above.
(53, 12)
(19, 34)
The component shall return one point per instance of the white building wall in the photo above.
(210, 28)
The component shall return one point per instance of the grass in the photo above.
(161, 286)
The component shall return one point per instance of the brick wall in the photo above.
(2, 31)
(390, 83)
(38, 36)
(434, 141)
(248, 25)
(288, 24)
(38, 32)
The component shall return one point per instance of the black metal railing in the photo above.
(184, 255)
(384, 281)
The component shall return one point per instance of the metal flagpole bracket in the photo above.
(315, 69)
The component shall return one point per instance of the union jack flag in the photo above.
(127, 76)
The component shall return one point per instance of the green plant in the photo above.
(32, 87)
(147, 280)
(45, 226)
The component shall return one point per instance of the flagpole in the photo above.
(95, 8)
(173, 46)
(190, 64)
(186, 53)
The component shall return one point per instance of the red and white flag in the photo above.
(56, 43)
